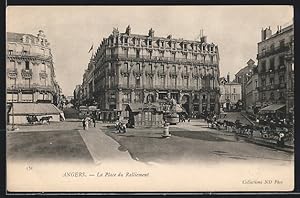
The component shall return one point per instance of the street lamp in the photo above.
(12, 110)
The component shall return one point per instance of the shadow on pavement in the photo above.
(206, 136)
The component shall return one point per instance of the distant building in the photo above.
(242, 77)
(88, 85)
(276, 67)
(78, 95)
(251, 91)
(231, 94)
(137, 69)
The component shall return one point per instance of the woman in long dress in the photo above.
(87, 123)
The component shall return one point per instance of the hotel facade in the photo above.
(137, 69)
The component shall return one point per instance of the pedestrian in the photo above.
(94, 121)
(87, 123)
(83, 124)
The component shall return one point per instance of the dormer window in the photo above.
(10, 52)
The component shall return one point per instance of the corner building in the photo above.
(276, 67)
(132, 68)
(30, 71)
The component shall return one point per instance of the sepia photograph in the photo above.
(150, 98)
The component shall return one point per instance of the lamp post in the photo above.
(12, 110)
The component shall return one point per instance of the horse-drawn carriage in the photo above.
(33, 119)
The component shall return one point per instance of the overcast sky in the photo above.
(72, 30)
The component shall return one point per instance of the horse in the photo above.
(46, 119)
(32, 119)
(120, 127)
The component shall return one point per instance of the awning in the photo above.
(272, 108)
(138, 107)
(34, 109)
(92, 108)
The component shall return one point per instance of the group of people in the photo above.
(120, 126)
(87, 122)
(183, 117)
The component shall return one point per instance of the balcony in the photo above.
(161, 74)
(12, 73)
(204, 100)
(111, 100)
(27, 73)
(111, 72)
(29, 56)
(150, 73)
(173, 74)
(282, 68)
(196, 75)
(282, 85)
(276, 50)
(137, 73)
(158, 59)
(31, 87)
(124, 72)
(125, 100)
(185, 75)
(43, 75)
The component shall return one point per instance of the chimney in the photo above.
(151, 33)
(228, 78)
(203, 39)
(128, 30)
(266, 33)
(263, 34)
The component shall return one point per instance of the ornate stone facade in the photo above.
(133, 68)
(29, 66)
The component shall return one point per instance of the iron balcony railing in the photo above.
(275, 50)
(28, 55)
(31, 86)
(143, 58)
(12, 72)
(26, 73)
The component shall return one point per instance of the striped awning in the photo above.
(272, 108)
(34, 109)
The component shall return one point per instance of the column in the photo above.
(191, 103)
(167, 76)
(180, 96)
(200, 103)
(119, 77)
(143, 76)
(119, 96)
(208, 102)
(132, 96)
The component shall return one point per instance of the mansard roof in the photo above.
(17, 37)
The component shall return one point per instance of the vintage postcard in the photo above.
(150, 98)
